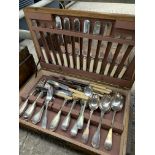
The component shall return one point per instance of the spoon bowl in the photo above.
(117, 102)
(105, 103)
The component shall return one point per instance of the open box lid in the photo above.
(87, 45)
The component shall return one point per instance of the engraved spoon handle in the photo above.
(79, 123)
(66, 121)
(96, 138)
(37, 117)
(28, 113)
(85, 134)
(23, 107)
(25, 104)
(108, 141)
(44, 119)
(55, 121)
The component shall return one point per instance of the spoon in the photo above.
(116, 105)
(66, 121)
(55, 121)
(34, 92)
(104, 106)
(93, 105)
(37, 117)
(25, 104)
(28, 113)
(80, 121)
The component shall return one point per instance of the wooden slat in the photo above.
(120, 66)
(81, 43)
(73, 42)
(51, 46)
(104, 61)
(65, 41)
(130, 70)
(89, 45)
(83, 35)
(119, 46)
(98, 47)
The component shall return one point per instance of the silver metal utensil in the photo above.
(55, 121)
(25, 104)
(116, 105)
(28, 113)
(80, 121)
(104, 106)
(48, 99)
(93, 105)
(37, 117)
(67, 119)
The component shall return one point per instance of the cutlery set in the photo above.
(85, 95)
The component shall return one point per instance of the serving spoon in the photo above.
(116, 105)
(104, 106)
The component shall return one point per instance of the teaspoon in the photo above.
(116, 105)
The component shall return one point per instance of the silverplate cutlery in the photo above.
(55, 121)
(25, 104)
(28, 113)
(48, 99)
(37, 117)
(104, 106)
(116, 105)
(80, 121)
(67, 119)
(93, 105)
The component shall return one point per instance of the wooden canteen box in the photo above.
(87, 47)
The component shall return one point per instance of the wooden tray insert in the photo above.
(54, 108)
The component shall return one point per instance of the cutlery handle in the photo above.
(44, 119)
(81, 117)
(108, 141)
(23, 107)
(102, 91)
(37, 117)
(67, 119)
(76, 96)
(28, 113)
(54, 123)
(79, 123)
(96, 138)
(76, 91)
(85, 134)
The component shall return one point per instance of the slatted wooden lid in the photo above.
(89, 45)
